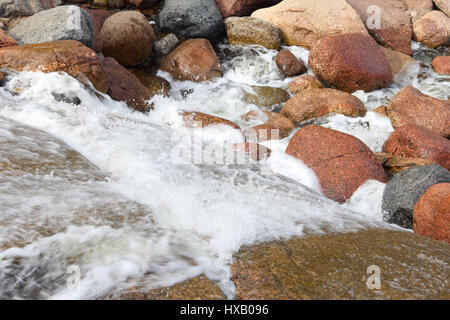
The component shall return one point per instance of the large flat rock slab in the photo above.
(334, 266)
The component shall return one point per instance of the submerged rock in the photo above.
(335, 266)
(155, 85)
(69, 56)
(195, 119)
(270, 118)
(315, 103)
(264, 132)
(19, 8)
(192, 19)
(341, 162)
(248, 30)
(413, 141)
(125, 86)
(303, 22)
(433, 29)
(431, 216)
(60, 23)
(193, 60)
(197, 288)
(350, 62)
(127, 37)
(410, 106)
(404, 190)
(266, 96)
(252, 150)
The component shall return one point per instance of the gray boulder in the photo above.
(60, 23)
(192, 19)
(19, 8)
(404, 190)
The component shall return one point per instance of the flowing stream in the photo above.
(97, 186)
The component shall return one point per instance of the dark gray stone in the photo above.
(19, 8)
(404, 190)
(192, 19)
(60, 23)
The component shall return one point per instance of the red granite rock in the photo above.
(431, 216)
(350, 62)
(412, 141)
(410, 106)
(341, 162)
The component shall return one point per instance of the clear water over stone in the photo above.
(95, 185)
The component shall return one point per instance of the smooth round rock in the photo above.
(127, 37)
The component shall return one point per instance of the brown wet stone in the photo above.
(410, 106)
(65, 55)
(266, 96)
(334, 266)
(198, 288)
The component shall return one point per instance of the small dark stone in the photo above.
(192, 19)
(404, 190)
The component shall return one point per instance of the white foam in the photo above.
(172, 219)
(367, 200)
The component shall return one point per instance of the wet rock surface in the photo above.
(197, 288)
(200, 120)
(193, 60)
(266, 96)
(315, 103)
(334, 266)
(125, 86)
(288, 64)
(66, 55)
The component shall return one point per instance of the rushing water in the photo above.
(97, 186)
